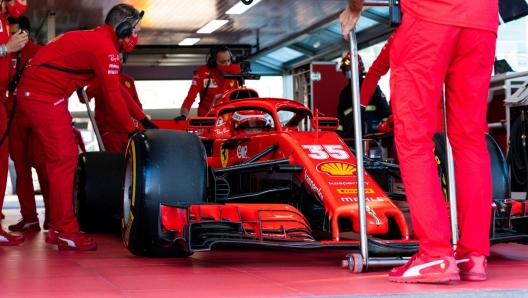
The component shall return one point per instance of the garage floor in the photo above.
(37, 269)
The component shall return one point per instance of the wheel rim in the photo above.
(127, 190)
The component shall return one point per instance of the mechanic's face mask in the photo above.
(224, 68)
(15, 10)
(349, 75)
(132, 42)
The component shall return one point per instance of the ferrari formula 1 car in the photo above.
(256, 171)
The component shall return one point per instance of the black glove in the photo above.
(147, 124)
(181, 117)
(131, 134)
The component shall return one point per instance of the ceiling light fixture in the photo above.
(240, 7)
(188, 41)
(212, 26)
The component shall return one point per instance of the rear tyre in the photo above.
(97, 191)
(499, 172)
(161, 166)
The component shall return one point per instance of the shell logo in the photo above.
(339, 169)
(127, 83)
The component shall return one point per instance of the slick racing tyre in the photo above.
(499, 172)
(161, 166)
(97, 191)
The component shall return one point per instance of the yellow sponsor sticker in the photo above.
(353, 190)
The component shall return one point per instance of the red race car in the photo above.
(256, 171)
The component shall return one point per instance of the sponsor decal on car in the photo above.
(326, 151)
(345, 183)
(312, 185)
(242, 151)
(337, 169)
(367, 199)
(353, 190)
(220, 131)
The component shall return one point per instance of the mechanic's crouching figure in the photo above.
(452, 43)
(8, 44)
(207, 80)
(375, 110)
(74, 59)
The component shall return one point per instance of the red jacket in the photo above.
(216, 87)
(26, 54)
(479, 14)
(379, 68)
(80, 51)
(5, 34)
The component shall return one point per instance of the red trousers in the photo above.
(423, 56)
(4, 154)
(26, 152)
(51, 124)
(114, 142)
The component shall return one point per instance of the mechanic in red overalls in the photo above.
(113, 140)
(451, 42)
(22, 145)
(208, 82)
(71, 60)
(8, 44)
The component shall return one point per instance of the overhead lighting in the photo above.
(240, 7)
(212, 26)
(188, 41)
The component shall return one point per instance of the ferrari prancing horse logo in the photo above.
(224, 154)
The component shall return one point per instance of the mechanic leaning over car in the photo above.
(379, 68)
(373, 114)
(208, 81)
(437, 43)
(24, 149)
(113, 140)
(8, 44)
(73, 59)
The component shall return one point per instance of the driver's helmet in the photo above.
(251, 121)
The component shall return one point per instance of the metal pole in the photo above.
(450, 181)
(376, 3)
(81, 93)
(359, 147)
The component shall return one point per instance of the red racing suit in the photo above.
(72, 60)
(24, 149)
(204, 76)
(113, 140)
(452, 42)
(5, 34)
